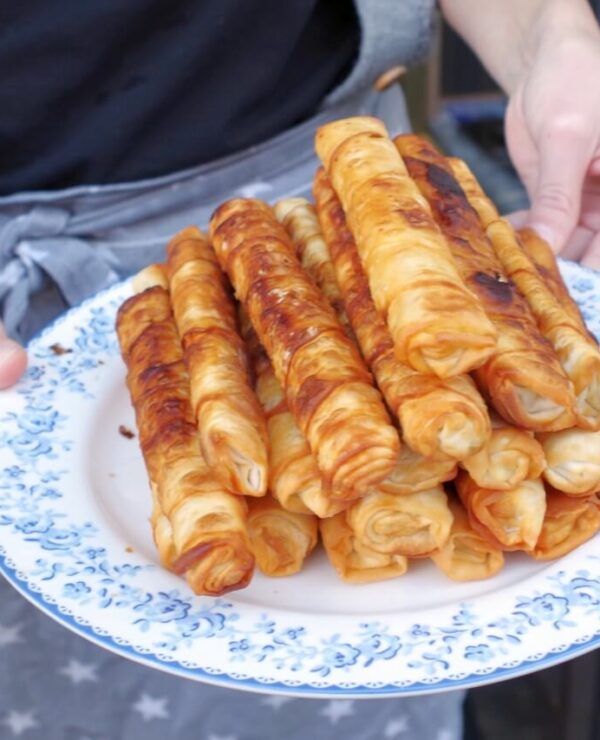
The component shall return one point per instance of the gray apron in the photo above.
(59, 247)
(55, 250)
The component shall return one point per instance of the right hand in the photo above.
(13, 360)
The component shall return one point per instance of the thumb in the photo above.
(564, 157)
(13, 360)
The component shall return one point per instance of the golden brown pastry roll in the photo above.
(438, 417)
(414, 473)
(281, 540)
(510, 456)
(569, 522)
(299, 217)
(412, 525)
(437, 324)
(524, 378)
(328, 389)
(207, 524)
(577, 351)
(467, 556)
(572, 461)
(151, 275)
(353, 562)
(294, 478)
(542, 256)
(162, 531)
(230, 420)
(511, 519)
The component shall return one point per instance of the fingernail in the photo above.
(547, 234)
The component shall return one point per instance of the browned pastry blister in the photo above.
(230, 420)
(328, 389)
(576, 349)
(523, 379)
(437, 324)
(438, 416)
(199, 528)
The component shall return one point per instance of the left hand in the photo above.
(553, 136)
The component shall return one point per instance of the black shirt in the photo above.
(116, 90)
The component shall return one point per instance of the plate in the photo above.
(75, 540)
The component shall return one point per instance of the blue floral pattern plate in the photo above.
(75, 540)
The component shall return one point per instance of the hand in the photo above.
(553, 136)
(13, 360)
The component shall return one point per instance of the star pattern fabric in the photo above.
(55, 685)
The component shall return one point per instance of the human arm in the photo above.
(546, 56)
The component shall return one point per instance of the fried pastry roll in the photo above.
(230, 420)
(573, 461)
(412, 525)
(414, 473)
(299, 217)
(281, 540)
(569, 522)
(542, 256)
(328, 389)
(510, 456)
(294, 478)
(524, 378)
(437, 324)
(467, 556)
(354, 562)
(576, 349)
(150, 276)
(438, 417)
(511, 519)
(206, 524)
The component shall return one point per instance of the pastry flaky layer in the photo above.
(414, 525)
(199, 528)
(526, 263)
(572, 461)
(523, 378)
(569, 522)
(281, 540)
(437, 324)
(328, 389)
(509, 519)
(353, 561)
(510, 456)
(467, 555)
(438, 417)
(230, 420)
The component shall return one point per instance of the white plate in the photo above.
(75, 540)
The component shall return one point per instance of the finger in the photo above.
(578, 244)
(13, 360)
(592, 256)
(565, 155)
(518, 218)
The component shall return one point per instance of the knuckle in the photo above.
(554, 197)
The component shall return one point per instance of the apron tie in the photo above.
(36, 244)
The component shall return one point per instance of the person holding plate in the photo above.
(123, 123)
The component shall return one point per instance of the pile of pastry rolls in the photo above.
(392, 370)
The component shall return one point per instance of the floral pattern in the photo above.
(51, 548)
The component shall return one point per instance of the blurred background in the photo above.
(462, 111)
